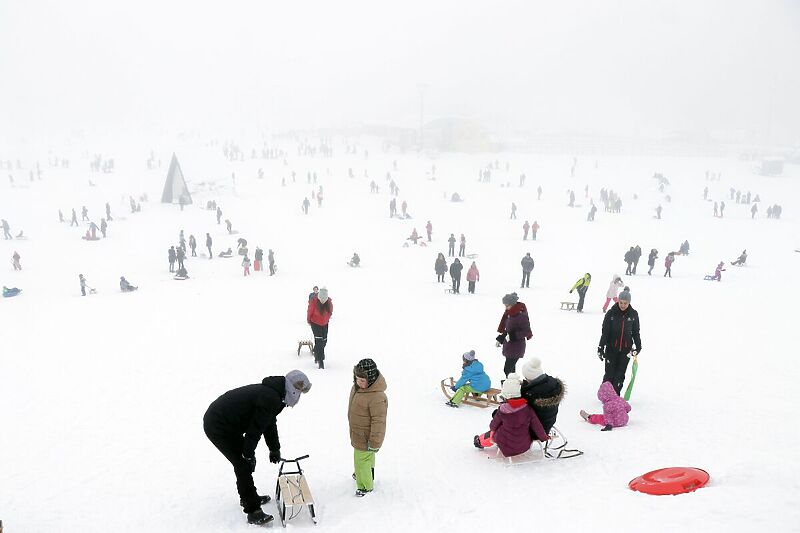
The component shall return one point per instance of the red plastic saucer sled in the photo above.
(673, 480)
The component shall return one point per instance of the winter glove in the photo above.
(453, 388)
(251, 462)
(274, 456)
(373, 450)
(501, 339)
(633, 354)
(600, 353)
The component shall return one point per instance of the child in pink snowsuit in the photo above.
(615, 409)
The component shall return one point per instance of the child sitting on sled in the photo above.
(514, 425)
(615, 409)
(473, 379)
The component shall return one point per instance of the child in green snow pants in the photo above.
(462, 391)
(364, 462)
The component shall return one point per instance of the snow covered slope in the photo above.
(102, 397)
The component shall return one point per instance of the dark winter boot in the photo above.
(449, 403)
(362, 492)
(321, 364)
(262, 500)
(608, 427)
(259, 517)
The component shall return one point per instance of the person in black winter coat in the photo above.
(629, 258)
(235, 422)
(637, 254)
(455, 274)
(527, 267)
(542, 392)
(180, 256)
(620, 337)
(651, 260)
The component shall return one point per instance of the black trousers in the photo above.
(230, 445)
(456, 284)
(471, 288)
(511, 365)
(271, 268)
(616, 366)
(668, 272)
(628, 269)
(172, 266)
(526, 279)
(581, 296)
(320, 340)
(210, 255)
(440, 277)
(650, 271)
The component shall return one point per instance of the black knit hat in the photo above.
(366, 368)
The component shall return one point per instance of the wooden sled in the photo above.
(292, 491)
(477, 399)
(568, 306)
(308, 343)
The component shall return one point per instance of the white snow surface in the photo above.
(102, 397)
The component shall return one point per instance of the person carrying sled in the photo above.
(320, 309)
(473, 379)
(455, 275)
(514, 424)
(582, 285)
(124, 286)
(613, 288)
(366, 415)
(514, 330)
(615, 409)
(619, 337)
(740, 261)
(542, 392)
(440, 267)
(236, 421)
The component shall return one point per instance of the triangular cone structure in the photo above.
(175, 190)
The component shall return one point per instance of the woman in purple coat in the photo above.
(514, 330)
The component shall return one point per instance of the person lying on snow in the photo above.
(473, 379)
(615, 409)
(514, 424)
(181, 274)
(8, 293)
(226, 253)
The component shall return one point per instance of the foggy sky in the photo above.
(600, 67)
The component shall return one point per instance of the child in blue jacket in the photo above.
(473, 379)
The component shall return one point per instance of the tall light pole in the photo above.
(421, 88)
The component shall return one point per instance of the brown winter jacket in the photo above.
(367, 415)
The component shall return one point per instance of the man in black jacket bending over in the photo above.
(619, 338)
(235, 422)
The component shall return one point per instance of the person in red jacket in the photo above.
(320, 309)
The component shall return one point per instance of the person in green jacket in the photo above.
(582, 285)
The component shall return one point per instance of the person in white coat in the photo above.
(613, 289)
